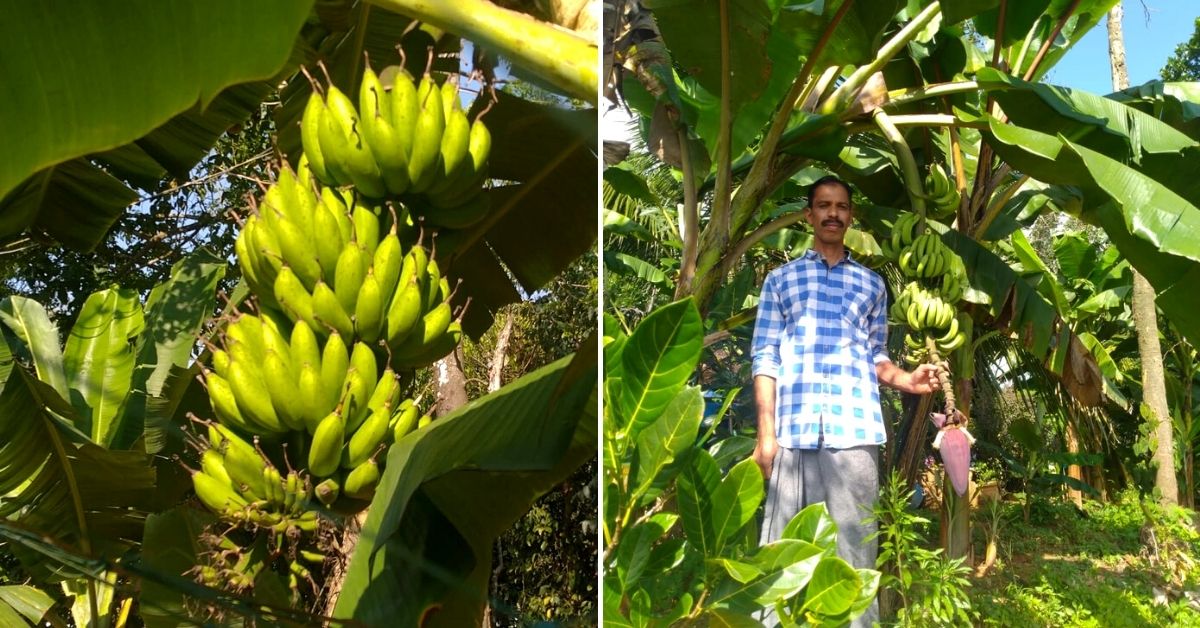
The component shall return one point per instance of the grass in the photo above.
(1070, 567)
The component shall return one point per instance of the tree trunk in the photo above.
(1145, 320)
(499, 354)
(1074, 471)
(451, 383)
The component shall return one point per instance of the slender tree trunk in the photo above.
(451, 383)
(499, 354)
(1145, 319)
(1074, 471)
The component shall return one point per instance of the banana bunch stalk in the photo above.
(412, 142)
(942, 193)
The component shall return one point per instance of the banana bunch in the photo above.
(926, 257)
(903, 234)
(941, 192)
(320, 260)
(412, 142)
(238, 482)
(269, 384)
(224, 564)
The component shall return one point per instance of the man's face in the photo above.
(829, 213)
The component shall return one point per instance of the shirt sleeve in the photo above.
(768, 330)
(877, 327)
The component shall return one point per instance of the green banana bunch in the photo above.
(411, 141)
(928, 310)
(941, 192)
(239, 483)
(926, 257)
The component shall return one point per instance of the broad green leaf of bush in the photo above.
(664, 442)
(724, 618)
(695, 491)
(736, 500)
(634, 553)
(785, 567)
(814, 525)
(833, 589)
(656, 362)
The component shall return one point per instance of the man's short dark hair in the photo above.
(827, 180)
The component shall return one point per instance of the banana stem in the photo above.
(908, 164)
(943, 374)
(845, 93)
(906, 95)
(559, 56)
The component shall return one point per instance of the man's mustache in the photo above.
(832, 221)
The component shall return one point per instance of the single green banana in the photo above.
(316, 402)
(405, 421)
(404, 109)
(375, 107)
(326, 243)
(354, 399)
(295, 300)
(366, 227)
(361, 481)
(433, 351)
(224, 405)
(310, 122)
(404, 312)
(304, 346)
(366, 439)
(216, 495)
(334, 361)
(326, 309)
(368, 310)
(423, 167)
(387, 262)
(284, 395)
(351, 269)
(213, 463)
(326, 450)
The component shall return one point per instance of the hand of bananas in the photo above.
(274, 377)
(941, 192)
(412, 141)
(320, 259)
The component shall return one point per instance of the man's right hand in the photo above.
(764, 454)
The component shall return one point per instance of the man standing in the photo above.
(820, 353)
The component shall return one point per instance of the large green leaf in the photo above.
(98, 359)
(736, 500)
(634, 551)
(656, 362)
(23, 601)
(1177, 104)
(116, 76)
(834, 587)
(80, 496)
(475, 471)
(1046, 282)
(694, 494)
(27, 322)
(1028, 23)
(665, 441)
(175, 312)
(786, 566)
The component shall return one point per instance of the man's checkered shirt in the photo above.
(820, 332)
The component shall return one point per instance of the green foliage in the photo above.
(932, 589)
(679, 529)
(1184, 64)
(1073, 568)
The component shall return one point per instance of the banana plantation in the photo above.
(255, 258)
(1041, 250)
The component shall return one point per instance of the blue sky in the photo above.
(1151, 34)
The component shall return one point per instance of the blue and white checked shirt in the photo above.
(820, 332)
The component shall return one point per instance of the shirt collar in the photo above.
(812, 254)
